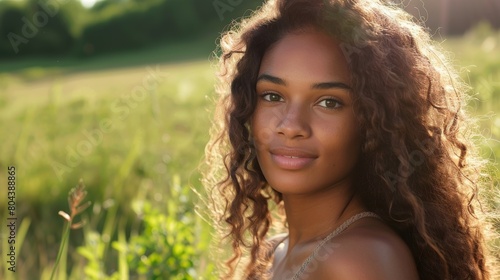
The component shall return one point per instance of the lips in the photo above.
(292, 159)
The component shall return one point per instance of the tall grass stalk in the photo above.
(122, 254)
(75, 200)
(64, 241)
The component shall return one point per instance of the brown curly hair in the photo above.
(417, 170)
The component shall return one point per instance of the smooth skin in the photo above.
(308, 142)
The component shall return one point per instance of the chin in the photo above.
(291, 187)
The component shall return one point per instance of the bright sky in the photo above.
(88, 3)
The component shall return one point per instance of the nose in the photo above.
(294, 122)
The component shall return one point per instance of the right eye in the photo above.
(272, 97)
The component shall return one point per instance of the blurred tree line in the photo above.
(65, 27)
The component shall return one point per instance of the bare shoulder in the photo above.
(368, 250)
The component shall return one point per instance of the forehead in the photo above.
(309, 53)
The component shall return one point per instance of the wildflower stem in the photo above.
(61, 248)
(75, 199)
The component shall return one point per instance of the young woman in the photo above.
(343, 113)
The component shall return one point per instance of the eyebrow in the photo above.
(281, 82)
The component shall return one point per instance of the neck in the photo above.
(314, 216)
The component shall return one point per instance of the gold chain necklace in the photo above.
(334, 233)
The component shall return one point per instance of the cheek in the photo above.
(342, 139)
(261, 127)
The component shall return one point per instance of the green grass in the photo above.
(152, 139)
(477, 57)
(48, 109)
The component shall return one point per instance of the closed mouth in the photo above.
(291, 158)
(292, 153)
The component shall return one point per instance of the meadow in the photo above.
(133, 127)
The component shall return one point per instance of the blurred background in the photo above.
(119, 93)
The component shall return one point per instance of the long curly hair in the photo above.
(418, 170)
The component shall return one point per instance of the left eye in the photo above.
(329, 103)
(272, 97)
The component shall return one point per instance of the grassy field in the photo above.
(134, 130)
(130, 133)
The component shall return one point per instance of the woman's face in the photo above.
(305, 131)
